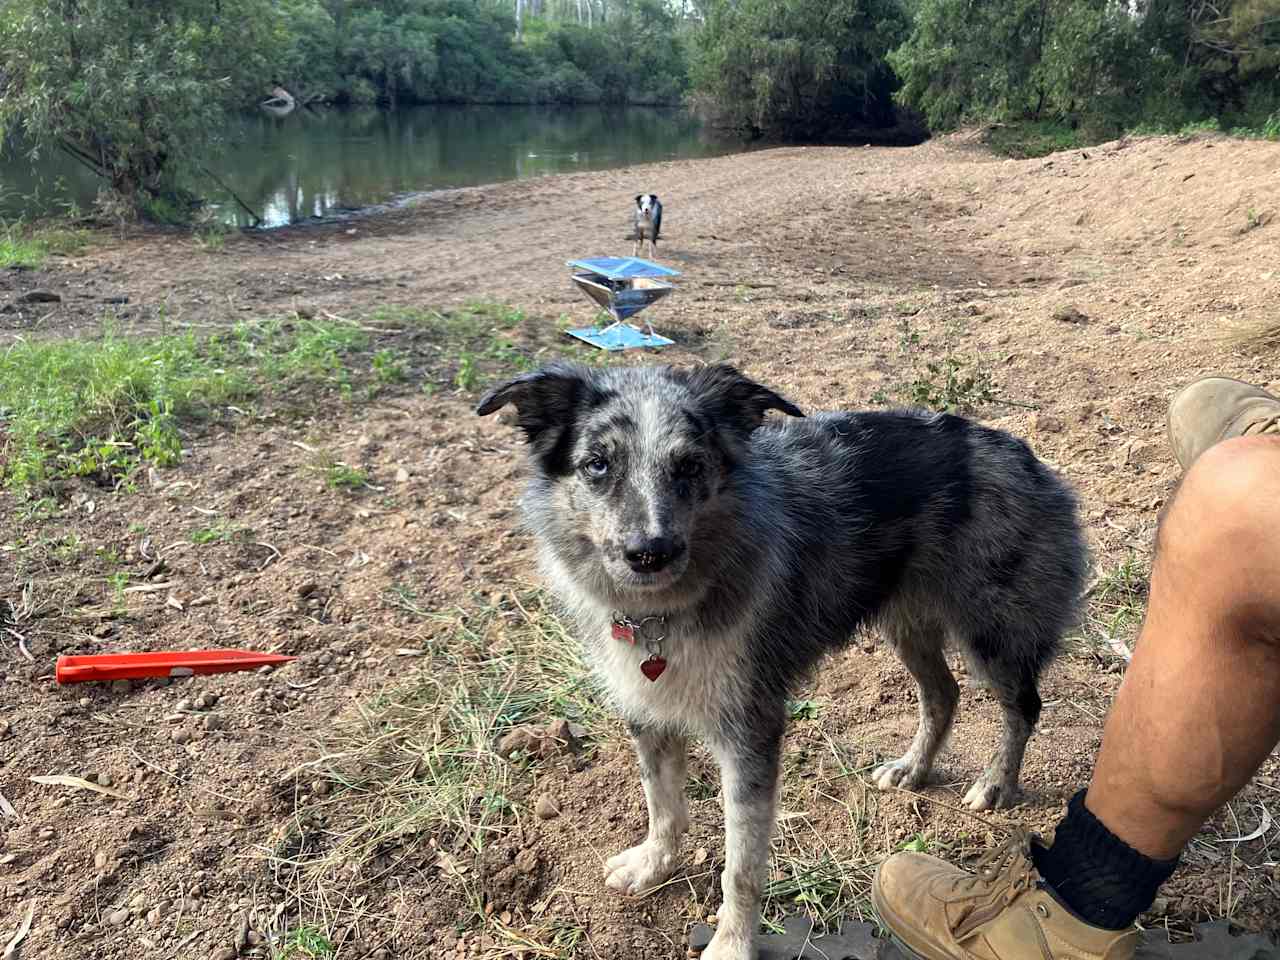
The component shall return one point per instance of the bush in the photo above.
(138, 93)
(797, 68)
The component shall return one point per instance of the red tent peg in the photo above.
(172, 663)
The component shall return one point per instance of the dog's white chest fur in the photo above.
(691, 693)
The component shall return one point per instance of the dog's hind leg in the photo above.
(1020, 702)
(662, 757)
(922, 652)
(749, 769)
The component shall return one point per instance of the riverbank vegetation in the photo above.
(140, 93)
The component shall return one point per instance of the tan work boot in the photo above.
(1002, 912)
(1215, 409)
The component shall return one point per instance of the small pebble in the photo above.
(183, 706)
(181, 736)
(139, 902)
(545, 808)
(212, 722)
(118, 917)
(100, 860)
(105, 779)
(85, 703)
(47, 833)
(208, 701)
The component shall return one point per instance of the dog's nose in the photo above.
(650, 554)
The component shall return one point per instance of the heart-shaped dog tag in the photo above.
(653, 667)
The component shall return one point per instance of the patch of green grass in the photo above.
(917, 844)
(1117, 607)
(388, 368)
(343, 476)
(23, 246)
(101, 408)
(478, 342)
(220, 532)
(336, 474)
(118, 581)
(819, 886)
(804, 709)
(952, 385)
(305, 943)
(19, 251)
(1033, 139)
(467, 377)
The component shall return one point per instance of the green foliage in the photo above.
(1033, 138)
(952, 385)
(136, 92)
(101, 408)
(798, 68)
(21, 246)
(80, 408)
(1092, 65)
(305, 943)
(460, 51)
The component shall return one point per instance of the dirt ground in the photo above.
(1089, 285)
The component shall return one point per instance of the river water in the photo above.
(325, 163)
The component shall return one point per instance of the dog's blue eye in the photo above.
(597, 467)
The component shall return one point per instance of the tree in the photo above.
(137, 91)
(798, 68)
(1104, 64)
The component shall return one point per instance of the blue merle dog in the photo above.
(647, 223)
(710, 559)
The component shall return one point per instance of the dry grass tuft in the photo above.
(1256, 337)
(1117, 606)
(412, 781)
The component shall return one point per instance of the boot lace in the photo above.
(1265, 425)
(999, 878)
(1008, 865)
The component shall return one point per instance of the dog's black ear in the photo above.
(737, 400)
(638, 196)
(654, 196)
(544, 399)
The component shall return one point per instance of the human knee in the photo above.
(1224, 525)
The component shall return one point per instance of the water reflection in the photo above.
(314, 164)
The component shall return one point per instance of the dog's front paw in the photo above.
(991, 791)
(640, 868)
(905, 772)
(724, 946)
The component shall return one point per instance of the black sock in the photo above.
(1095, 873)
